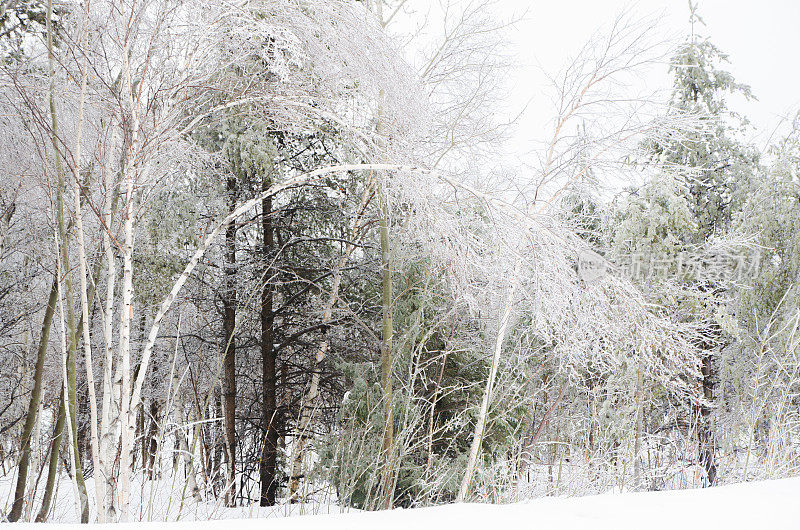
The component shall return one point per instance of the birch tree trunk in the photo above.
(63, 244)
(68, 355)
(480, 426)
(309, 403)
(126, 414)
(87, 341)
(127, 405)
(109, 422)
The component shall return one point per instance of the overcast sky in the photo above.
(762, 40)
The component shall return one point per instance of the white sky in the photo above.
(762, 40)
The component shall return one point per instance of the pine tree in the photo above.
(715, 164)
(714, 167)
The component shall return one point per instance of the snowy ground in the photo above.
(769, 504)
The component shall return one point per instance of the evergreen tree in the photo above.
(714, 163)
(714, 167)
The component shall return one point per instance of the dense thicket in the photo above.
(257, 253)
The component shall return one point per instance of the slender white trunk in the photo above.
(308, 405)
(71, 445)
(186, 454)
(127, 416)
(127, 404)
(87, 343)
(480, 426)
(104, 479)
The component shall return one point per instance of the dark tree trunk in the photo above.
(151, 442)
(705, 432)
(218, 445)
(269, 453)
(33, 407)
(52, 469)
(229, 345)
